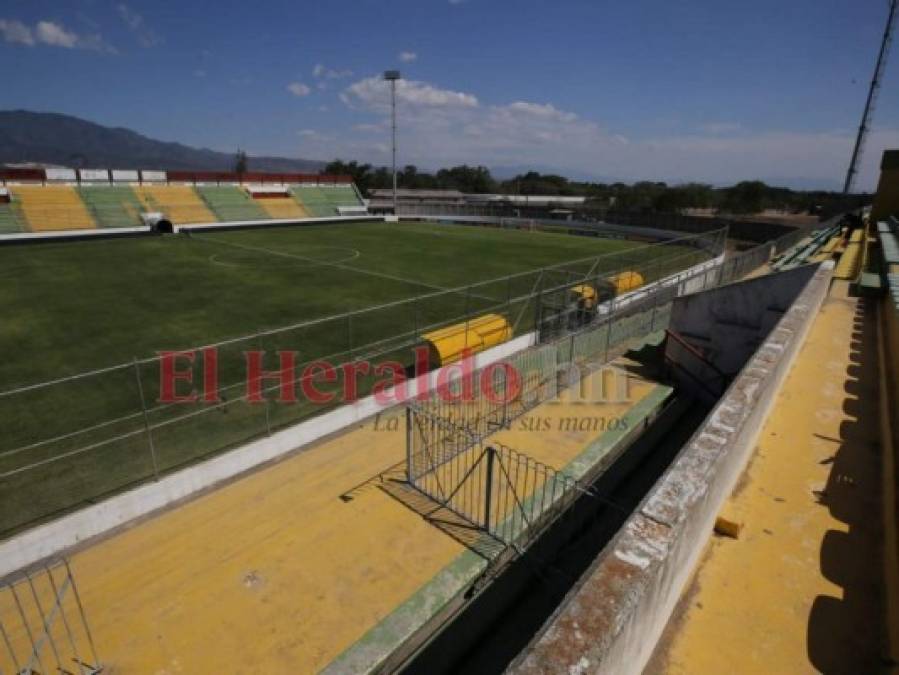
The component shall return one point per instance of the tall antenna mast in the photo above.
(872, 99)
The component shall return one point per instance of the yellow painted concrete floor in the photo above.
(274, 573)
(800, 590)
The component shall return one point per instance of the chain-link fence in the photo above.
(79, 439)
(452, 456)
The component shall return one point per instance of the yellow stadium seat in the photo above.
(180, 203)
(53, 207)
(282, 207)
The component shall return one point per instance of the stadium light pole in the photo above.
(392, 76)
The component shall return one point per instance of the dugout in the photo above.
(583, 299)
(448, 345)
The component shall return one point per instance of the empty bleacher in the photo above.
(112, 205)
(850, 262)
(282, 207)
(11, 219)
(325, 201)
(231, 203)
(180, 203)
(52, 207)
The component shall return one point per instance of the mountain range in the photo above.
(63, 140)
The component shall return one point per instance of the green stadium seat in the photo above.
(231, 203)
(325, 201)
(11, 219)
(112, 205)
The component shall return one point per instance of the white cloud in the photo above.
(373, 93)
(321, 72)
(51, 34)
(545, 111)
(440, 127)
(146, 36)
(56, 35)
(407, 57)
(298, 89)
(16, 32)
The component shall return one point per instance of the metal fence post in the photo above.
(268, 421)
(349, 335)
(143, 407)
(609, 328)
(488, 487)
(409, 473)
(658, 291)
(467, 313)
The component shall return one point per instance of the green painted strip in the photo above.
(390, 633)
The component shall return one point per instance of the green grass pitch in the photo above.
(76, 306)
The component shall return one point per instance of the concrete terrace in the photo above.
(800, 590)
(274, 572)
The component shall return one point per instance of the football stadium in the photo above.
(359, 418)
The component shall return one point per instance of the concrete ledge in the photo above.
(610, 622)
(63, 235)
(274, 222)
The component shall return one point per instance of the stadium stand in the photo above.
(56, 207)
(889, 244)
(325, 201)
(283, 207)
(179, 202)
(850, 262)
(112, 206)
(11, 218)
(886, 199)
(230, 202)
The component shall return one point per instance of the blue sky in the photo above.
(712, 90)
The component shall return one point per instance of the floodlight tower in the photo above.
(392, 76)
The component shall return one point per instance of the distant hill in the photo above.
(51, 138)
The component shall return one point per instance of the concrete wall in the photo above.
(610, 622)
(726, 325)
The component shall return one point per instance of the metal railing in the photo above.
(43, 626)
(452, 454)
(503, 493)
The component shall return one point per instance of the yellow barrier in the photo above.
(447, 345)
(626, 281)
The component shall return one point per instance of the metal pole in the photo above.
(143, 407)
(393, 125)
(409, 473)
(392, 76)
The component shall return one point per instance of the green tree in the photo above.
(241, 163)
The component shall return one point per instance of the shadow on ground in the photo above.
(845, 633)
